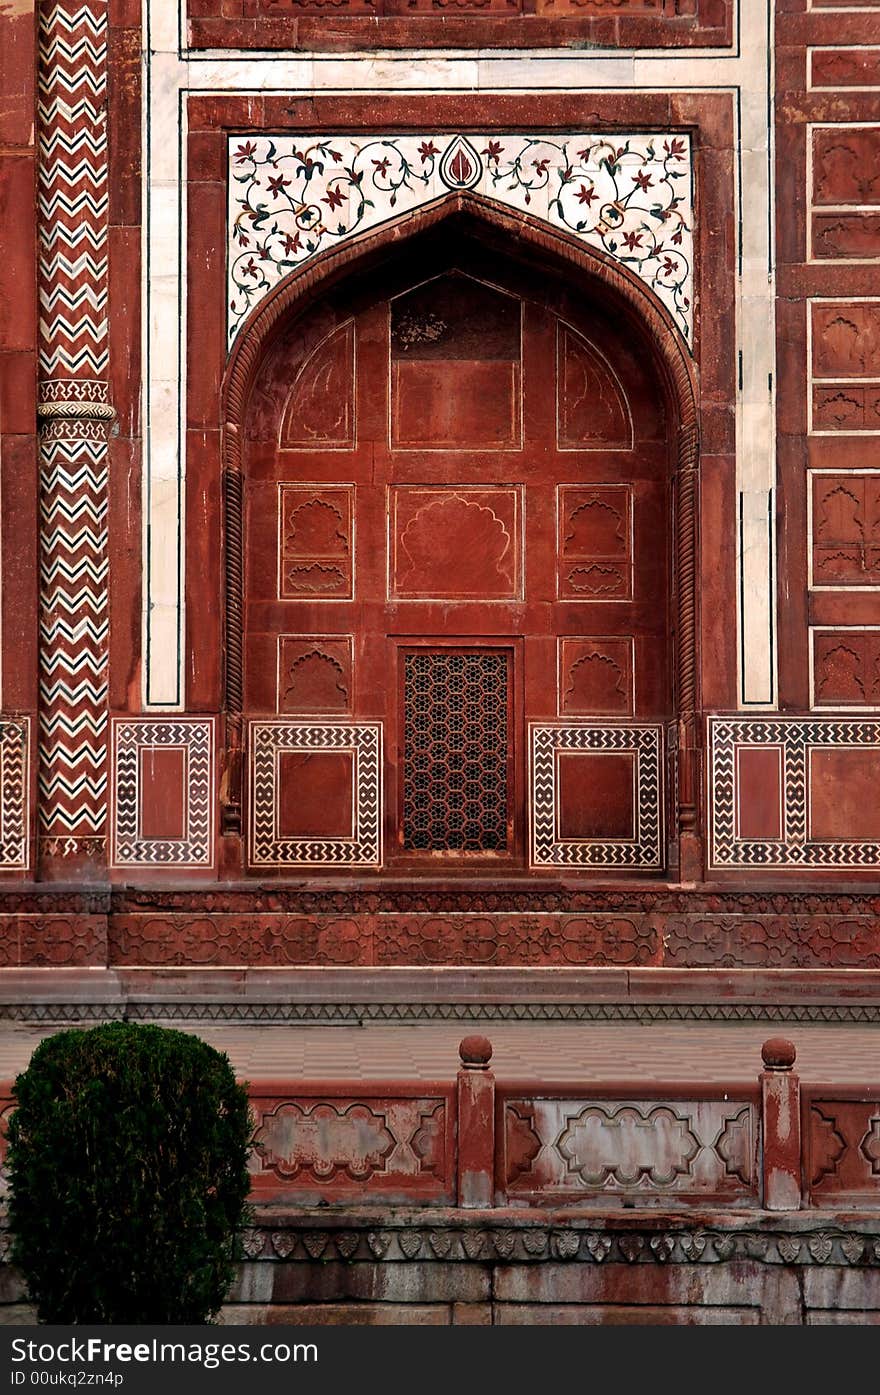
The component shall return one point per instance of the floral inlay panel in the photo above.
(629, 196)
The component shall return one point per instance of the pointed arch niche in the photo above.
(472, 375)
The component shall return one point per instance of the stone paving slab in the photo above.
(576, 1052)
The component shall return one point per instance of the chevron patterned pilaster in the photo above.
(74, 419)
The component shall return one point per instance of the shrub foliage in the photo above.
(128, 1179)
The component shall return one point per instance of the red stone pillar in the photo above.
(781, 1120)
(75, 416)
(476, 1123)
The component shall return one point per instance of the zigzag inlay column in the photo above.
(74, 418)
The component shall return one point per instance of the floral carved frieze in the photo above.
(627, 195)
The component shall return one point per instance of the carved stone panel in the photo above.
(596, 677)
(846, 407)
(845, 667)
(846, 165)
(321, 407)
(842, 1150)
(316, 542)
(611, 1151)
(458, 542)
(591, 407)
(595, 543)
(846, 339)
(313, 1149)
(315, 673)
(845, 539)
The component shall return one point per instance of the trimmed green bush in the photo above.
(128, 1178)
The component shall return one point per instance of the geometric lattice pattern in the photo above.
(194, 738)
(455, 758)
(796, 739)
(14, 789)
(74, 415)
(268, 741)
(645, 850)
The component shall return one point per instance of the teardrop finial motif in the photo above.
(461, 166)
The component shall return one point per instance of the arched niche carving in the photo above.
(543, 250)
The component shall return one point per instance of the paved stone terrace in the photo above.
(579, 1052)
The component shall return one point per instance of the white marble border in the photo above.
(172, 73)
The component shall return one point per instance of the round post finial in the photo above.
(778, 1053)
(475, 1052)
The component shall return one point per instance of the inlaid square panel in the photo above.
(794, 792)
(845, 529)
(316, 794)
(594, 542)
(315, 542)
(163, 792)
(456, 542)
(596, 677)
(315, 673)
(596, 795)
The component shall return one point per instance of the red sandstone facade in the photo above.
(441, 530)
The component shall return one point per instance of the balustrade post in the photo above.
(476, 1123)
(781, 1121)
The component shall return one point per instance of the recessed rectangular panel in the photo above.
(316, 542)
(596, 795)
(844, 67)
(315, 794)
(594, 542)
(596, 677)
(455, 542)
(846, 164)
(845, 338)
(163, 792)
(845, 235)
(845, 667)
(843, 791)
(315, 673)
(846, 407)
(450, 404)
(845, 529)
(759, 792)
